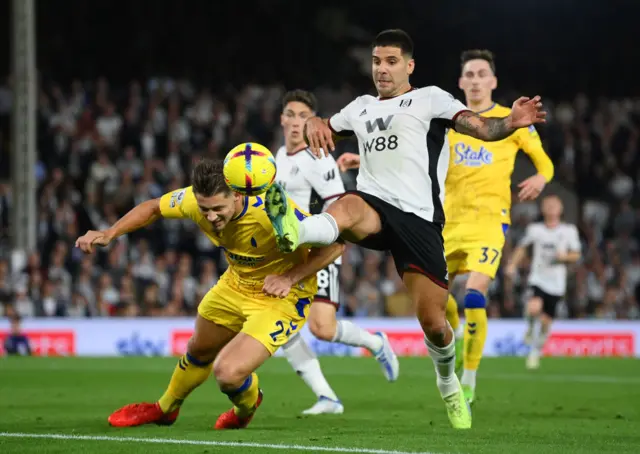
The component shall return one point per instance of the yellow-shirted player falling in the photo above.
(477, 206)
(259, 302)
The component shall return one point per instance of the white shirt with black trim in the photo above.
(404, 151)
(313, 183)
(546, 272)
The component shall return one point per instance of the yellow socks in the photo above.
(245, 397)
(475, 334)
(452, 313)
(187, 376)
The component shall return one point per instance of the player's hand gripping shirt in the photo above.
(478, 185)
(248, 240)
(404, 151)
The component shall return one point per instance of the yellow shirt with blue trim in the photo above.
(248, 240)
(478, 184)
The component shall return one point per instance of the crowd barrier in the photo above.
(169, 336)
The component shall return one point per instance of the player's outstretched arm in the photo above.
(524, 112)
(140, 216)
(280, 285)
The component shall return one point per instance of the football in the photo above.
(249, 169)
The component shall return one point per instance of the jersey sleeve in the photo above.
(172, 204)
(528, 237)
(529, 142)
(444, 105)
(324, 177)
(574, 240)
(340, 123)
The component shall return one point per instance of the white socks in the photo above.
(349, 334)
(444, 360)
(540, 339)
(319, 229)
(458, 333)
(469, 378)
(307, 366)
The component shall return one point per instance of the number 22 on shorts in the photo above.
(281, 329)
(489, 254)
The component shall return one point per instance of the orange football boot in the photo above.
(229, 419)
(145, 413)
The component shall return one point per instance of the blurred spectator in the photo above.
(16, 342)
(102, 149)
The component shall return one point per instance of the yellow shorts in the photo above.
(271, 321)
(474, 248)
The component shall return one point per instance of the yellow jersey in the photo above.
(248, 240)
(478, 184)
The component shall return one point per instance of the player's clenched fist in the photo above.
(348, 161)
(319, 136)
(276, 285)
(91, 238)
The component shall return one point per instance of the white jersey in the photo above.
(547, 274)
(313, 183)
(404, 150)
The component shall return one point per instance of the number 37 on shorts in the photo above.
(485, 260)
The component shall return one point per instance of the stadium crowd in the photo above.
(102, 149)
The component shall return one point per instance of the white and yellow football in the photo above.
(249, 169)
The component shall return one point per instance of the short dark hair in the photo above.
(305, 97)
(478, 54)
(395, 38)
(207, 178)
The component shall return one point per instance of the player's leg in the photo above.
(350, 217)
(269, 325)
(476, 327)
(455, 257)
(430, 300)
(453, 317)
(234, 370)
(541, 308)
(532, 313)
(483, 256)
(324, 325)
(193, 368)
(304, 361)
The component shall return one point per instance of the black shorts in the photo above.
(549, 302)
(329, 285)
(415, 243)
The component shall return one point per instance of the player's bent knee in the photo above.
(322, 329)
(228, 373)
(435, 328)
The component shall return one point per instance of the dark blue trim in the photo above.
(244, 208)
(246, 385)
(302, 302)
(487, 110)
(474, 300)
(196, 362)
(505, 229)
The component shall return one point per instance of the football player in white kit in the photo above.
(555, 245)
(314, 183)
(402, 136)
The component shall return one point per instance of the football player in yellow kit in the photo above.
(259, 302)
(477, 206)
